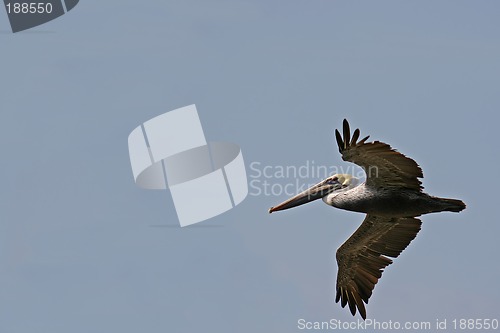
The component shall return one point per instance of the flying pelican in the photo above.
(391, 197)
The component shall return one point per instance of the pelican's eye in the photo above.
(332, 180)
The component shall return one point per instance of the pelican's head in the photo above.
(321, 190)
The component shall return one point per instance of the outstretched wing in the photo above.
(384, 166)
(362, 258)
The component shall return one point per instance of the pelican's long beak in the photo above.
(313, 193)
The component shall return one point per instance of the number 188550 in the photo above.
(475, 324)
(29, 8)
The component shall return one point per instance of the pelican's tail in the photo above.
(451, 205)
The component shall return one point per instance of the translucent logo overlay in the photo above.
(205, 179)
(25, 15)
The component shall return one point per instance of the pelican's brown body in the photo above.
(391, 202)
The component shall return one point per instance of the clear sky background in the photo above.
(83, 249)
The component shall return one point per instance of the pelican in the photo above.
(392, 198)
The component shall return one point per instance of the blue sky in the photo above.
(83, 249)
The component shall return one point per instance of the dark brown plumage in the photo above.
(363, 257)
(384, 166)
